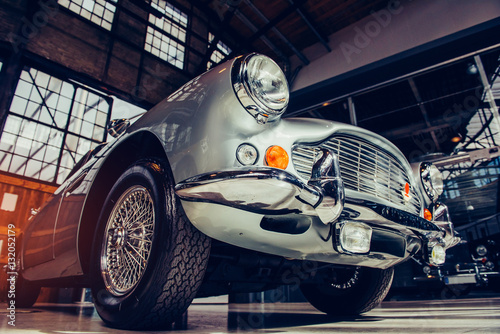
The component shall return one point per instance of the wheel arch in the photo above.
(141, 145)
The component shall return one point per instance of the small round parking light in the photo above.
(277, 157)
(247, 155)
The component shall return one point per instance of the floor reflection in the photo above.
(79, 309)
(266, 316)
(471, 315)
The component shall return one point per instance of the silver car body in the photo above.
(281, 212)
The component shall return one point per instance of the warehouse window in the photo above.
(219, 54)
(100, 12)
(166, 34)
(51, 124)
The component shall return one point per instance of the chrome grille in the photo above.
(364, 167)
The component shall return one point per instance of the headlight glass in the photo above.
(432, 180)
(261, 87)
(481, 250)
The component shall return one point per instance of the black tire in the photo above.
(350, 292)
(142, 219)
(26, 293)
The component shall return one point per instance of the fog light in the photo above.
(438, 255)
(353, 237)
(247, 154)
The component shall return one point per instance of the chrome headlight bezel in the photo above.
(248, 75)
(432, 180)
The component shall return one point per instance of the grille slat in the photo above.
(364, 167)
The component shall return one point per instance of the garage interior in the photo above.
(424, 74)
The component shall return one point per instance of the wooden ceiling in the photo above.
(282, 28)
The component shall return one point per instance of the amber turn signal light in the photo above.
(277, 157)
(427, 214)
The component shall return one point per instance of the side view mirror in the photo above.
(117, 127)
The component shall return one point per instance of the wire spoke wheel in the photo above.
(148, 260)
(128, 240)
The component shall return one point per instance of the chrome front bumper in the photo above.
(267, 190)
(271, 192)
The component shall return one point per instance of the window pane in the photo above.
(219, 53)
(37, 123)
(5, 159)
(159, 36)
(93, 10)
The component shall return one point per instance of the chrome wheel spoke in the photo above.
(129, 238)
(136, 252)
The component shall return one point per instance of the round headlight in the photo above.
(261, 87)
(432, 180)
(481, 250)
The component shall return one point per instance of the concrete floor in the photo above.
(471, 315)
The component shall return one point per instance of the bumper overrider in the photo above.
(357, 227)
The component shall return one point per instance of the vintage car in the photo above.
(486, 255)
(455, 278)
(469, 265)
(211, 192)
